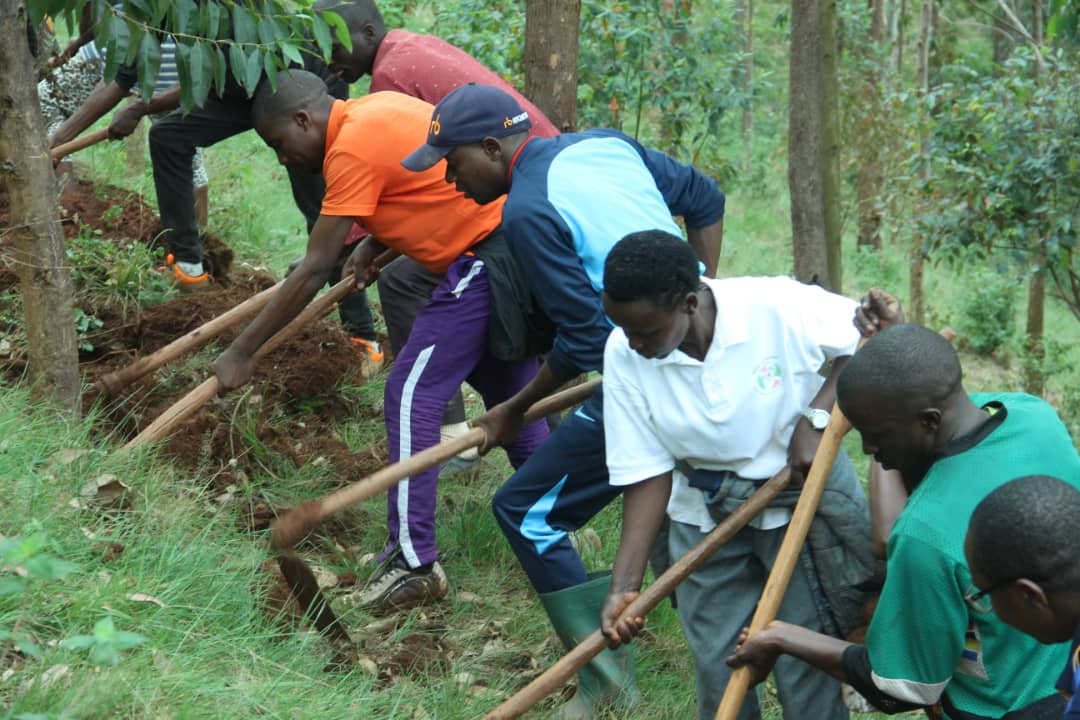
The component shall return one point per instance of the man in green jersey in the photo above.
(930, 641)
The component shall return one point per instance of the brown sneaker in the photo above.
(398, 587)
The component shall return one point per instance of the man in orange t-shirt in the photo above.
(357, 145)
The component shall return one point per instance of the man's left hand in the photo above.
(126, 119)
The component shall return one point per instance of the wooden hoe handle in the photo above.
(186, 406)
(590, 647)
(288, 529)
(789, 551)
(116, 381)
(79, 143)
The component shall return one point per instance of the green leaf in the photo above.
(252, 71)
(184, 16)
(268, 31)
(341, 28)
(271, 68)
(160, 10)
(125, 640)
(104, 654)
(27, 646)
(202, 72)
(143, 7)
(221, 66)
(116, 48)
(243, 25)
(183, 74)
(47, 567)
(137, 33)
(291, 54)
(237, 61)
(12, 585)
(104, 629)
(149, 64)
(78, 642)
(322, 36)
(215, 14)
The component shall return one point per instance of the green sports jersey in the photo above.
(924, 638)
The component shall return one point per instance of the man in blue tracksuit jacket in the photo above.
(569, 200)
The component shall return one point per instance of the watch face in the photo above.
(819, 419)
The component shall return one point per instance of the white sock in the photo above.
(190, 269)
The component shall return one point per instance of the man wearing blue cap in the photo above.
(569, 200)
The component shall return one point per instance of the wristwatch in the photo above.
(818, 418)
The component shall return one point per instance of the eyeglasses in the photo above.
(979, 600)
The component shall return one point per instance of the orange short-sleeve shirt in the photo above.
(417, 214)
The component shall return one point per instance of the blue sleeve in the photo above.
(543, 247)
(687, 191)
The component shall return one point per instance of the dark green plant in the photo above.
(988, 312)
(1005, 156)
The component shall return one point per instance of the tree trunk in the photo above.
(830, 143)
(1033, 343)
(37, 239)
(810, 143)
(917, 302)
(551, 58)
(1036, 307)
(868, 178)
(745, 10)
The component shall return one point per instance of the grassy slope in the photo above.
(211, 652)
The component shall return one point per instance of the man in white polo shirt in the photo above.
(710, 388)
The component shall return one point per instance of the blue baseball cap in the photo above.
(467, 115)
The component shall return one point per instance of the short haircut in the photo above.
(1028, 528)
(355, 13)
(900, 367)
(296, 90)
(651, 265)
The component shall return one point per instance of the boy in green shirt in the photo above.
(928, 642)
(1021, 548)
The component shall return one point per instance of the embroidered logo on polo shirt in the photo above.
(768, 376)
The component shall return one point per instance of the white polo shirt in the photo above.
(736, 410)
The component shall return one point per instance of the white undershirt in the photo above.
(736, 410)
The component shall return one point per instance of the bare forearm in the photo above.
(293, 296)
(544, 383)
(887, 498)
(103, 98)
(644, 506)
(706, 242)
(826, 395)
(822, 651)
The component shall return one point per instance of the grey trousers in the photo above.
(405, 286)
(718, 600)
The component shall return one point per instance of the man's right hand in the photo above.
(233, 369)
(361, 264)
(619, 632)
(877, 310)
(501, 424)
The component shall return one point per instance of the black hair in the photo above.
(651, 265)
(355, 13)
(1028, 528)
(901, 367)
(296, 90)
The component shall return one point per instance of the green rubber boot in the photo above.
(609, 677)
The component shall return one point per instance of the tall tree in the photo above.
(745, 13)
(551, 58)
(868, 181)
(917, 251)
(36, 235)
(249, 38)
(812, 174)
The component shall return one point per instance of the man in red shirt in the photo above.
(427, 68)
